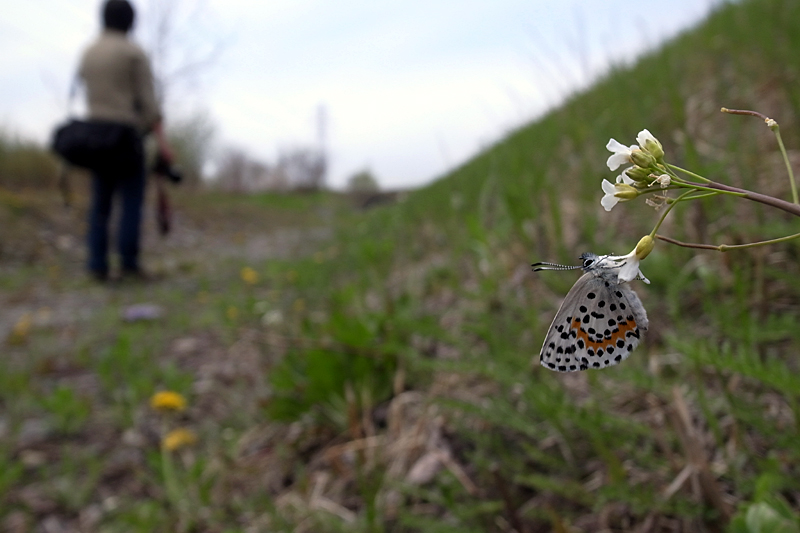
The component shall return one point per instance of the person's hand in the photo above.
(165, 152)
(164, 149)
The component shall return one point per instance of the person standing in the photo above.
(119, 87)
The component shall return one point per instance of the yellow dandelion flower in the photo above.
(178, 438)
(232, 313)
(249, 276)
(19, 333)
(168, 401)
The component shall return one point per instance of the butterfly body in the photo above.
(600, 322)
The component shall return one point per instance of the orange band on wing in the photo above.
(623, 327)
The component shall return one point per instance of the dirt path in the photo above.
(43, 268)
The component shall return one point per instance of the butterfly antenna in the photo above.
(543, 265)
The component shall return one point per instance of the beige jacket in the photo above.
(119, 82)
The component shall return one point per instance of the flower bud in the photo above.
(638, 174)
(654, 147)
(772, 124)
(625, 191)
(644, 247)
(643, 159)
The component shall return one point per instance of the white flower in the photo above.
(615, 192)
(621, 154)
(272, 318)
(609, 200)
(629, 267)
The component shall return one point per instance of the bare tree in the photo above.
(238, 172)
(303, 169)
(191, 139)
(180, 37)
(232, 171)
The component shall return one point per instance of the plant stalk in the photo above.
(725, 247)
(783, 205)
(788, 166)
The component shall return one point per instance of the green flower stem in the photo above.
(659, 189)
(668, 209)
(668, 170)
(689, 173)
(672, 174)
(168, 471)
(172, 486)
(726, 247)
(699, 196)
(788, 166)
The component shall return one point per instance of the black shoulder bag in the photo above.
(102, 146)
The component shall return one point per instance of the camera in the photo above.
(163, 167)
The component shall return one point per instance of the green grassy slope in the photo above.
(442, 285)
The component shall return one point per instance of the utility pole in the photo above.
(322, 126)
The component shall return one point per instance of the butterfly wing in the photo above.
(599, 324)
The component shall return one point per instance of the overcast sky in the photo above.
(410, 89)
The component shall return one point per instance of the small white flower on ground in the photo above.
(272, 318)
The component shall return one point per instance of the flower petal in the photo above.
(608, 187)
(624, 178)
(609, 201)
(615, 146)
(644, 136)
(615, 160)
(629, 270)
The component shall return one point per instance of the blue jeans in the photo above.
(130, 187)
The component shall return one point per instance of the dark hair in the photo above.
(118, 15)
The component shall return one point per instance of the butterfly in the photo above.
(601, 320)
